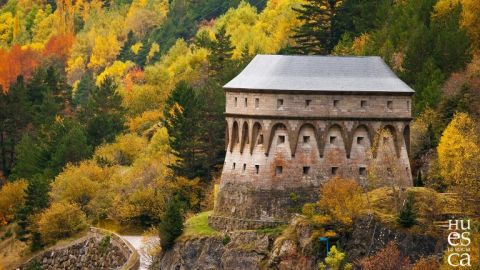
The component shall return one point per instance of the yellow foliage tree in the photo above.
(60, 220)
(12, 198)
(124, 151)
(104, 51)
(6, 28)
(342, 200)
(116, 71)
(459, 153)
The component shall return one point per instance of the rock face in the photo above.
(296, 248)
(369, 236)
(95, 251)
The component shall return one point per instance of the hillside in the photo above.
(113, 111)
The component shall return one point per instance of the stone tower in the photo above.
(293, 122)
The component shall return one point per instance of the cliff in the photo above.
(296, 247)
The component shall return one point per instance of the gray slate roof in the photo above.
(318, 73)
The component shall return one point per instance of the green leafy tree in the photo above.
(407, 216)
(221, 51)
(316, 35)
(171, 225)
(336, 260)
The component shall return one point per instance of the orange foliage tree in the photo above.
(389, 258)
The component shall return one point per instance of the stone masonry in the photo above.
(284, 141)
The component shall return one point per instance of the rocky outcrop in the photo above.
(369, 236)
(98, 250)
(298, 247)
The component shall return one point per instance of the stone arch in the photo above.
(393, 132)
(343, 133)
(271, 133)
(297, 134)
(235, 135)
(406, 137)
(256, 132)
(360, 129)
(227, 135)
(361, 126)
(245, 136)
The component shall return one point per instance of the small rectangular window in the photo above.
(257, 103)
(307, 103)
(257, 168)
(363, 103)
(233, 166)
(244, 166)
(360, 140)
(385, 140)
(281, 139)
(279, 104)
(278, 170)
(306, 170)
(334, 170)
(390, 104)
(306, 139)
(389, 170)
(362, 171)
(260, 139)
(236, 101)
(336, 102)
(246, 102)
(333, 139)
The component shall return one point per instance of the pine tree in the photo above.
(407, 216)
(182, 120)
(316, 35)
(85, 86)
(103, 114)
(126, 53)
(221, 51)
(171, 225)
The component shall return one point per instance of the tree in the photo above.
(59, 221)
(459, 153)
(407, 216)
(388, 258)
(104, 114)
(171, 225)
(182, 120)
(315, 36)
(221, 50)
(12, 198)
(342, 200)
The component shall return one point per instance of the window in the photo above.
(362, 171)
(257, 168)
(333, 139)
(260, 139)
(278, 170)
(360, 140)
(306, 139)
(279, 104)
(257, 103)
(336, 102)
(390, 104)
(307, 103)
(236, 101)
(389, 170)
(281, 139)
(306, 170)
(363, 103)
(233, 166)
(385, 140)
(334, 170)
(244, 166)
(246, 102)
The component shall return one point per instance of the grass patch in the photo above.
(275, 231)
(198, 226)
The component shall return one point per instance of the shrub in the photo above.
(60, 220)
(427, 263)
(389, 258)
(12, 198)
(407, 216)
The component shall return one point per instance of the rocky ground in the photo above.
(296, 247)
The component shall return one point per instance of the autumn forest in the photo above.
(101, 102)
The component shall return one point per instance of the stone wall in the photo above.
(100, 249)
